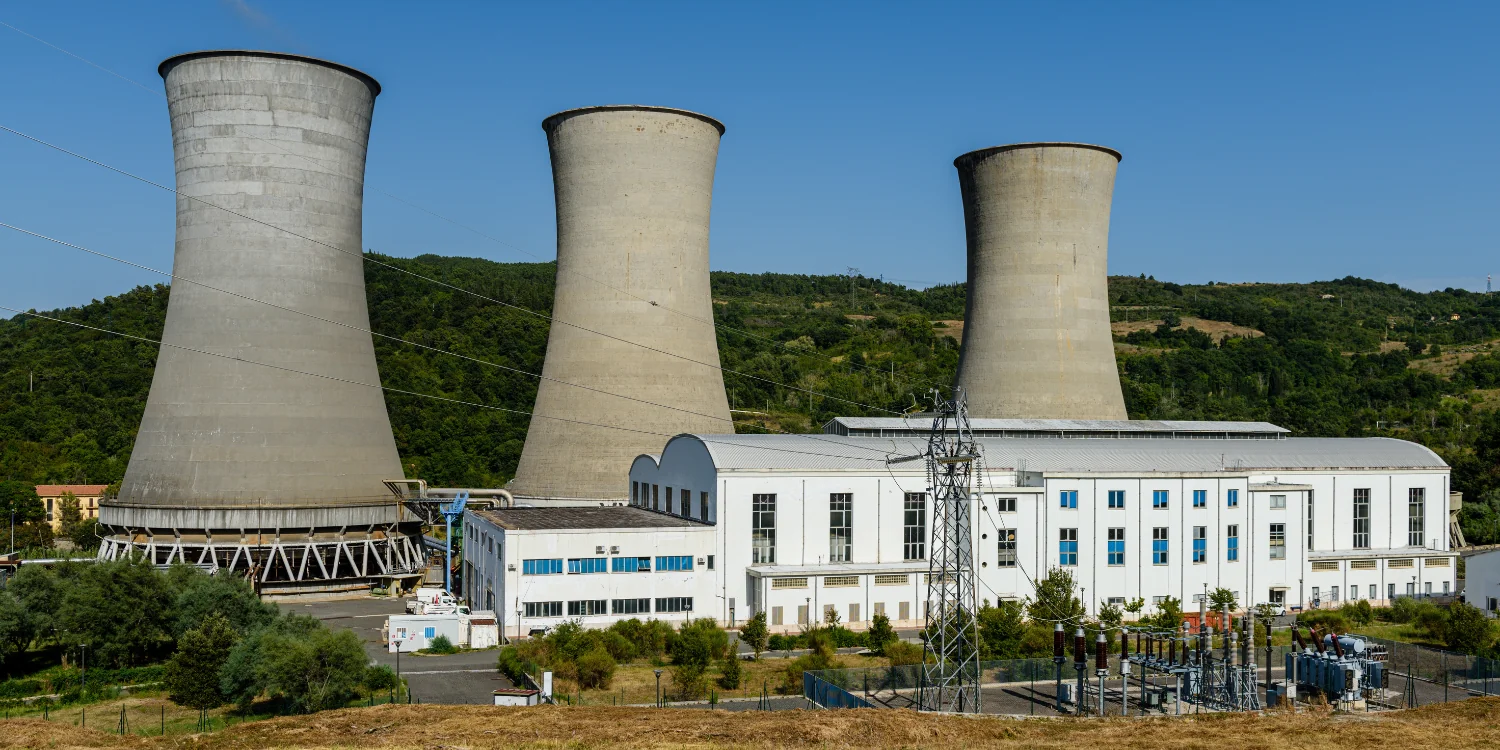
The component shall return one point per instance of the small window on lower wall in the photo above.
(587, 607)
(1435, 562)
(543, 609)
(1403, 562)
(892, 580)
(1324, 566)
(630, 607)
(674, 604)
(776, 616)
(1362, 565)
(788, 583)
(838, 581)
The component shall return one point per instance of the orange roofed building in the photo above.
(88, 496)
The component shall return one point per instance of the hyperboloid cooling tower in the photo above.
(633, 187)
(238, 463)
(1037, 342)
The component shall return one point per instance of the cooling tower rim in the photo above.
(551, 121)
(983, 152)
(176, 60)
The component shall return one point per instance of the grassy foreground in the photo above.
(1453, 726)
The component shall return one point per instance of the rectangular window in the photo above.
(1159, 498)
(889, 579)
(687, 502)
(669, 499)
(1233, 498)
(588, 608)
(1117, 601)
(630, 606)
(1309, 521)
(763, 529)
(1278, 541)
(1372, 591)
(703, 506)
(1363, 565)
(1278, 502)
(776, 616)
(840, 527)
(1116, 548)
(1416, 516)
(429, 632)
(542, 567)
(635, 493)
(1117, 499)
(1361, 519)
(1067, 546)
(1232, 543)
(588, 565)
(914, 541)
(710, 564)
(1333, 593)
(1159, 545)
(674, 604)
(1200, 544)
(674, 563)
(1403, 562)
(840, 581)
(1005, 505)
(1200, 498)
(655, 497)
(543, 609)
(1007, 557)
(1069, 499)
(788, 583)
(630, 565)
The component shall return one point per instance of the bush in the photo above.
(902, 653)
(1324, 620)
(780, 642)
(880, 633)
(755, 634)
(731, 672)
(596, 669)
(514, 665)
(192, 675)
(440, 645)
(1468, 630)
(1359, 613)
(820, 657)
(379, 678)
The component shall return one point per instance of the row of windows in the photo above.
(840, 527)
(1067, 545)
(1159, 499)
(679, 503)
(588, 565)
(592, 607)
(1390, 591)
(883, 579)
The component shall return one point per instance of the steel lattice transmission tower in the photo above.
(950, 678)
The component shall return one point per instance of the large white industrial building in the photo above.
(796, 525)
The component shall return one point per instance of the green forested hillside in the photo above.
(1346, 357)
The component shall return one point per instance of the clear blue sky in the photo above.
(1262, 142)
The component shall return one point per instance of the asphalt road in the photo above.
(467, 677)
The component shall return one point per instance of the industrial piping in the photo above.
(1037, 342)
(633, 186)
(264, 471)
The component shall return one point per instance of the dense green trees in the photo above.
(192, 674)
(71, 399)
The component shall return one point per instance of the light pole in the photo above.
(399, 641)
(658, 688)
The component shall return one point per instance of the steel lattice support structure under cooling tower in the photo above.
(270, 458)
(633, 314)
(950, 677)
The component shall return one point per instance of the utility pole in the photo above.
(852, 273)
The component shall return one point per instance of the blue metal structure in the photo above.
(451, 511)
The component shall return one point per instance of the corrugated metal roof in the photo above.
(608, 517)
(1066, 425)
(833, 452)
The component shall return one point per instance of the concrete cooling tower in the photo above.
(236, 464)
(633, 187)
(1037, 342)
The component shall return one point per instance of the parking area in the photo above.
(463, 678)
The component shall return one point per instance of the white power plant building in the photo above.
(725, 526)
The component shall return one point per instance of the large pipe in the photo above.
(1037, 341)
(633, 187)
(269, 151)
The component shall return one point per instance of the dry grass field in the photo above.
(1218, 330)
(636, 683)
(1470, 725)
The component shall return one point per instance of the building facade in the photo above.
(53, 495)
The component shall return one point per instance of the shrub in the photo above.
(1468, 630)
(1359, 613)
(596, 669)
(902, 653)
(730, 672)
(1325, 620)
(441, 645)
(779, 642)
(192, 674)
(379, 678)
(880, 633)
(755, 634)
(513, 665)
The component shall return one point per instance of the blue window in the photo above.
(1232, 542)
(541, 567)
(1159, 545)
(588, 565)
(1067, 547)
(674, 563)
(1234, 498)
(630, 565)
(1117, 498)
(1200, 498)
(429, 632)
(1200, 544)
(1116, 546)
(1069, 498)
(1159, 498)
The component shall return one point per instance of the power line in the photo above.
(398, 339)
(399, 391)
(781, 344)
(443, 284)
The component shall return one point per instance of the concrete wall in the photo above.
(633, 188)
(1037, 342)
(280, 139)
